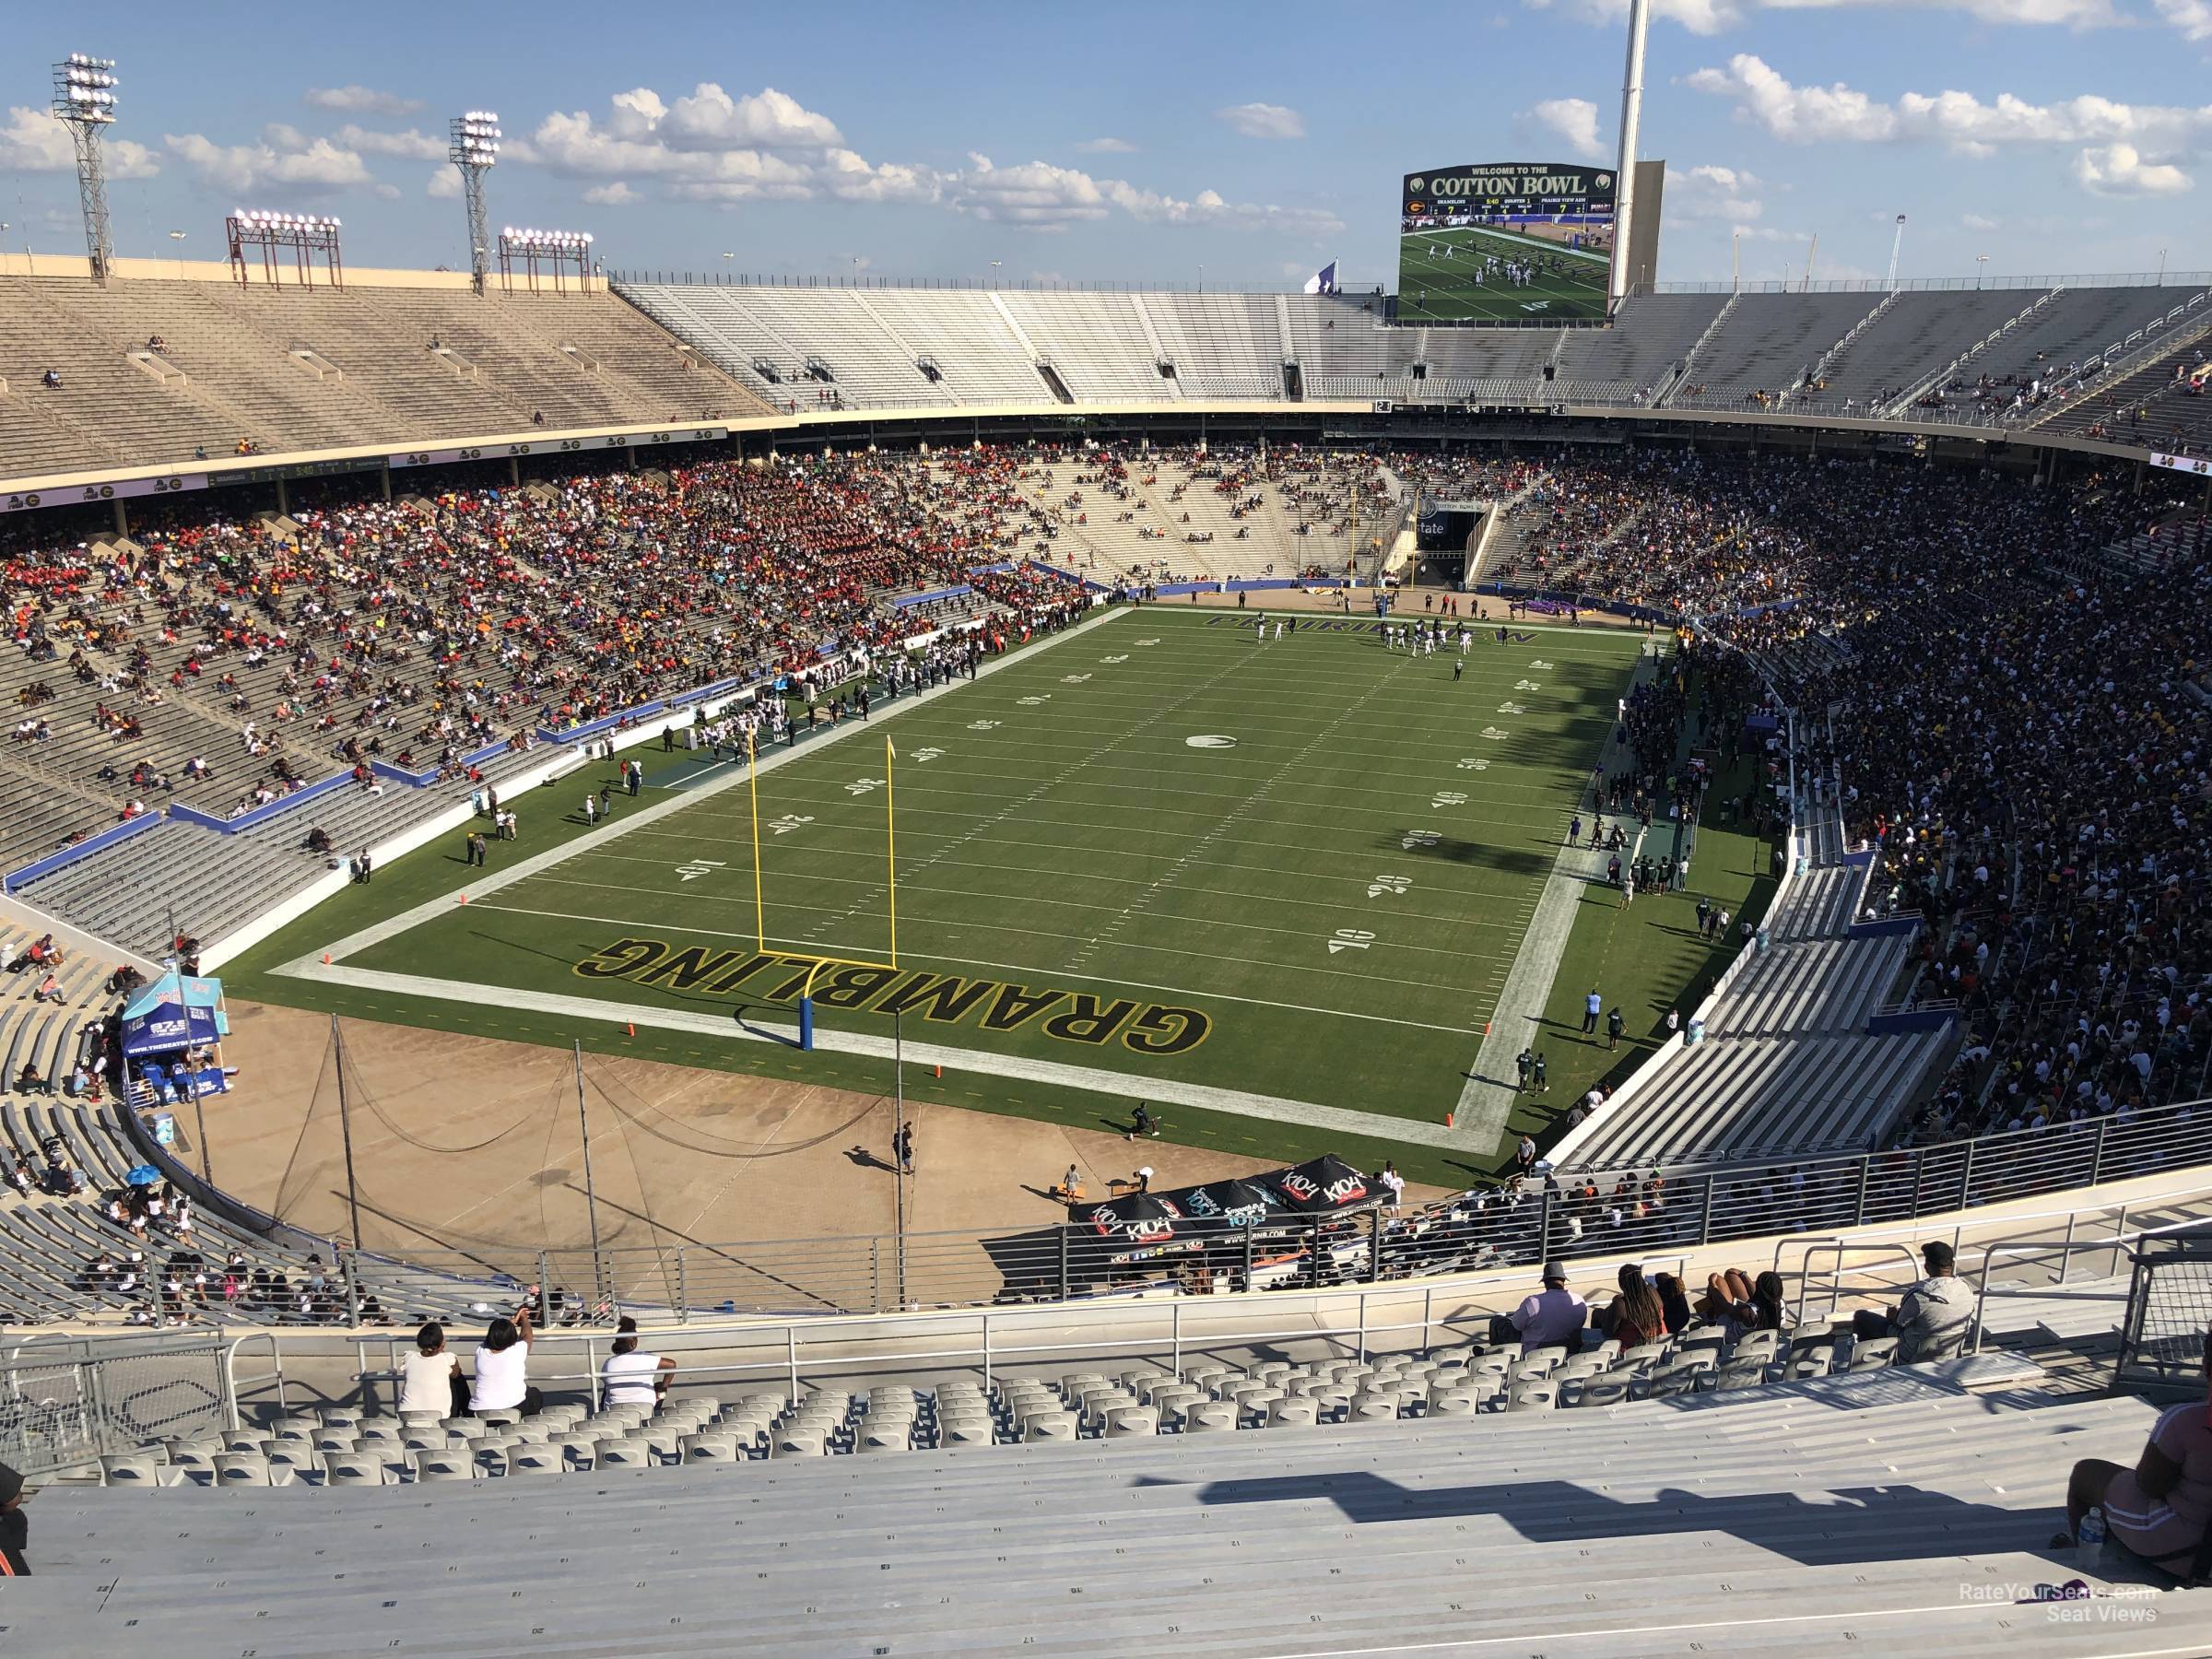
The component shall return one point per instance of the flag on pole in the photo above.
(1322, 281)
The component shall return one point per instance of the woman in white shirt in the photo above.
(503, 1369)
(429, 1379)
(632, 1378)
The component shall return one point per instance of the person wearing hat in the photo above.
(1547, 1318)
(1931, 1321)
(14, 1527)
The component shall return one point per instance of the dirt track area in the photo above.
(471, 1146)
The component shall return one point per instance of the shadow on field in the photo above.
(1450, 850)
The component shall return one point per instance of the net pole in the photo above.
(752, 771)
(891, 842)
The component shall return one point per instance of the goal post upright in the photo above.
(817, 960)
(890, 843)
(752, 769)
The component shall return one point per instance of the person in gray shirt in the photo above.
(1931, 1320)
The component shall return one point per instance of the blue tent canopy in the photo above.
(176, 1011)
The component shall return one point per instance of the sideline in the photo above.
(677, 801)
(1487, 1099)
(594, 1011)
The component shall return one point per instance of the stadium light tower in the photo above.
(84, 101)
(1631, 116)
(475, 147)
(1897, 246)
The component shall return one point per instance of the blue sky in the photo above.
(1240, 146)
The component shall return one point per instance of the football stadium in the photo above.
(834, 910)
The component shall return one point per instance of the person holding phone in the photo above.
(502, 1381)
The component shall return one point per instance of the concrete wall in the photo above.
(215, 270)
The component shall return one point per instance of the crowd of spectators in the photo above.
(2014, 720)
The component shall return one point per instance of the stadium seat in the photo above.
(442, 1464)
(352, 1469)
(136, 1468)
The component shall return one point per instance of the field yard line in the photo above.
(392, 926)
(1081, 904)
(1487, 1099)
(1360, 879)
(983, 826)
(1400, 857)
(1228, 820)
(590, 1010)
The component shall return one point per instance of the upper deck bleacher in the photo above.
(305, 368)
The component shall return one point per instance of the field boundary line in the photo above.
(678, 801)
(1334, 1120)
(1486, 1099)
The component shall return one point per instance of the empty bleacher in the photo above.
(1096, 342)
(1770, 342)
(1768, 1522)
(306, 368)
(214, 884)
(1649, 334)
(1916, 334)
(2075, 325)
(1785, 1062)
(1761, 1098)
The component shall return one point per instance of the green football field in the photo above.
(1155, 853)
(1436, 280)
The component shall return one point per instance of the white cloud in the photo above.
(33, 141)
(711, 118)
(1034, 194)
(712, 147)
(410, 144)
(616, 195)
(360, 101)
(715, 148)
(1975, 221)
(284, 156)
(2193, 17)
(2119, 170)
(1711, 17)
(1106, 147)
(1961, 120)
(1574, 121)
(445, 184)
(849, 178)
(1800, 115)
(1038, 196)
(1713, 192)
(1700, 17)
(1209, 208)
(1264, 121)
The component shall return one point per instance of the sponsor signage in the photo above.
(122, 489)
(555, 446)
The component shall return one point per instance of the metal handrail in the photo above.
(987, 1350)
(1173, 1324)
(1814, 1247)
(2119, 1240)
(231, 1377)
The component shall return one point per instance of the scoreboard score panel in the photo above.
(1507, 192)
